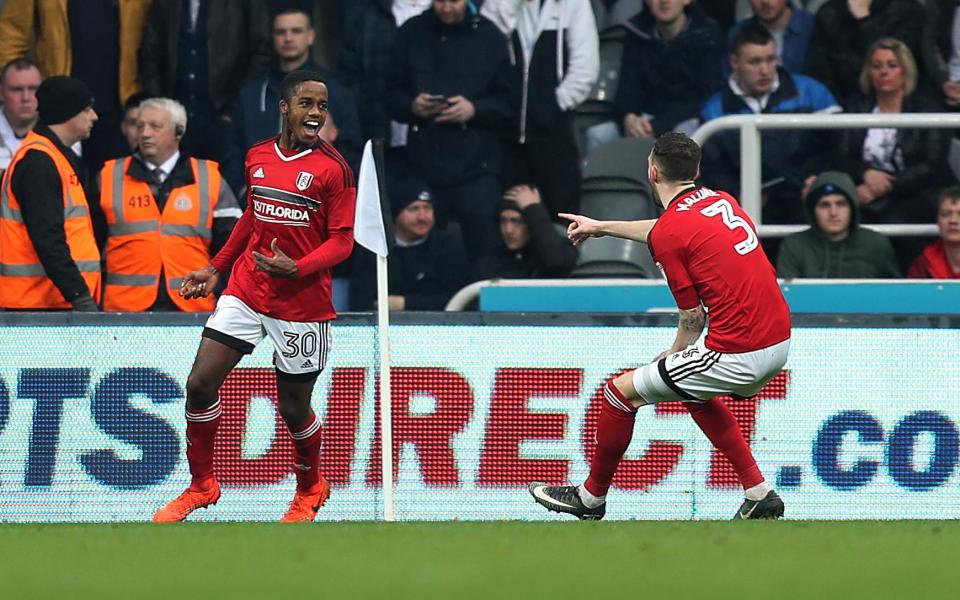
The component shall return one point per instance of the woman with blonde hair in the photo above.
(897, 171)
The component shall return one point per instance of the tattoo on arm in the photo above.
(690, 327)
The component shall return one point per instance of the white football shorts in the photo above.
(698, 373)
(300, 349)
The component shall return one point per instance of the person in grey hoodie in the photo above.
(835, 246)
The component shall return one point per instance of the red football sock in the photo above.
(614, 431)
(201, 432)
(306, 454)
(718, 423)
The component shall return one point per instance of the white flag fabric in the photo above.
(368, 228)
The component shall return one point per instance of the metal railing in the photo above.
(750, 148)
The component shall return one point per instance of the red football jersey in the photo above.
(306, 201)
(709, 251)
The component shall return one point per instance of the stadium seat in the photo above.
(598, 107)
(620, 165)
(612, 257)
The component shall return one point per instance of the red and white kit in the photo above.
(305, 200)
(709, 251)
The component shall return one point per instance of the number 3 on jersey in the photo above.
(722, 207)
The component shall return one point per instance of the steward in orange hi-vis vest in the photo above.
(24, 284)
(159, 231)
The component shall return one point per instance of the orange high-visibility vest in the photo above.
(23, 282)
(143, 241)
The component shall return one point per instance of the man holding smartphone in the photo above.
(451, 83)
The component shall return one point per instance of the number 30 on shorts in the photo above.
(295, 344)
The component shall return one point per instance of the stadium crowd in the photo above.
(124, 128)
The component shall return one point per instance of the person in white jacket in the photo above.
(554, 51)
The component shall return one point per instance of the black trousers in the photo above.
(472, 204)
(552, 165)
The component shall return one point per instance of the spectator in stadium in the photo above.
(758, 85)
(50, 253)
(200, 52)
(167, 214)
(554, 51)
(791, 28)
(897, 171)
(426, 265)
(451, 83)
(670, 66)
(941, 48)
(835, 245)
(531, 245)
(367, 57)
(256, 111)
(128, 126)
(844, 30)
(95, 41)
(19, 81)
(330, 19)
(941, 259)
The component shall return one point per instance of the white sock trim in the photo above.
(758, 491)
(588, 499)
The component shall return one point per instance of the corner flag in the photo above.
(368, 229)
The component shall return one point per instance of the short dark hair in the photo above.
(751, 34)
(294, 79)
(950, 194)
(677, 156)
(134, 101)
(292, 10)
(20, 64)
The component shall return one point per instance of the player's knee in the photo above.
(292, 410)
(624, 385)
(201, 391)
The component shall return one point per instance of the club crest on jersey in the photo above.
(303, 180)
(183, 203)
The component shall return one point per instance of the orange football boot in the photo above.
(305, 505)
(177, 509)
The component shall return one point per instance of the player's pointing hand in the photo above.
(581, 228)
(278, 265)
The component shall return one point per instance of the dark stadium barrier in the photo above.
(862, 422)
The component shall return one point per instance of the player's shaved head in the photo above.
(677, 157)
(294, 79)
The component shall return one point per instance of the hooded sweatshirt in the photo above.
(863, 254)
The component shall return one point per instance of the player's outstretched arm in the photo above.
(582, 227)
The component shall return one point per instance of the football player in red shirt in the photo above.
(708, 249)
(297, 226)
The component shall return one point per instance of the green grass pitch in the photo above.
(569, 560)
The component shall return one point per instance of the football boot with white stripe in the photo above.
(770, 507)
(565, 499)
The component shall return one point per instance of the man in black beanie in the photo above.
(531, 246)
(50, 257)
(426, 266)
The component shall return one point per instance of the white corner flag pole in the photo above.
(386, 412)
(370, 233)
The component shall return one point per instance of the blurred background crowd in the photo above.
(125, 124)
